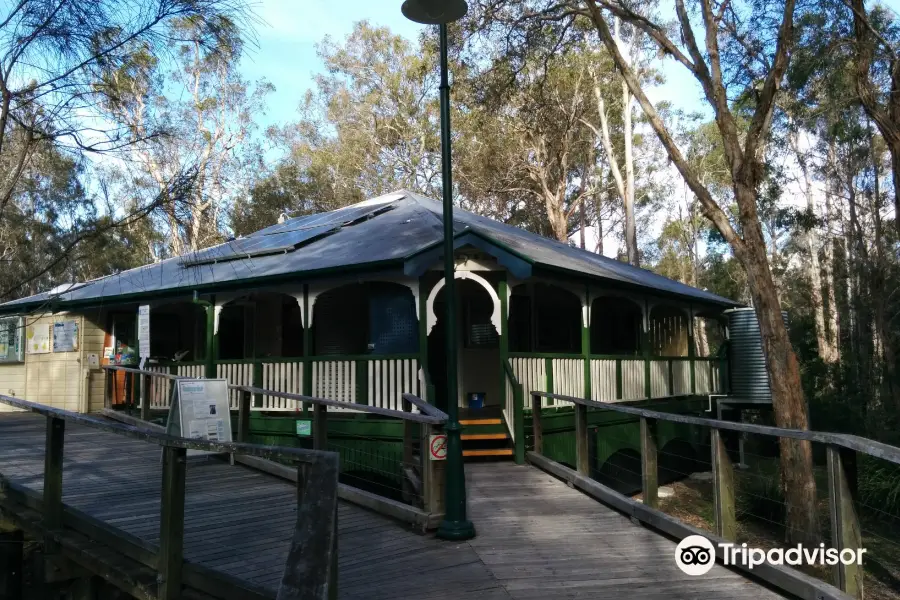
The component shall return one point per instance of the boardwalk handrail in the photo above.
(841, 449)
(417, 427)
(311, 569)
(514, 412)
(844, 440)
(429, 414)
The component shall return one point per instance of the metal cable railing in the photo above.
(685, 474)
(311, 568)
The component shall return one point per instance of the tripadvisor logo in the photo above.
(695, 555)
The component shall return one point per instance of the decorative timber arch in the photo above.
(496, 315)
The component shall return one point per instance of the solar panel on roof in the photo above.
(339, 217)
(256, 246)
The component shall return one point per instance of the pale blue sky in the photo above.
(290, 30)
(287, 39)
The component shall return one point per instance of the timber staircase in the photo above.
(484, 435)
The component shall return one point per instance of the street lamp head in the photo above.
(434, 12)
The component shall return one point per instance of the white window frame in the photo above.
(19, 325)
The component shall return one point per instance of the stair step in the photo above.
(492, 452)
(481, 422)
(484, 436)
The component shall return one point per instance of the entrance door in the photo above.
(122, 338)
(478, 348)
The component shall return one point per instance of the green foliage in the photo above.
(879, 484)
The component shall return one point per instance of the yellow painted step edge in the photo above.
(484, 436)
(497, 452)
(480, 421)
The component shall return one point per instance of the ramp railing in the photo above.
(311, 569)
(385, 459)
(737, 464)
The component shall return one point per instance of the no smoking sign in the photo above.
(438, 447)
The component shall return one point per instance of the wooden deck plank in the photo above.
(237, 520)
(538, 539)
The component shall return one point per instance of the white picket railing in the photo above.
(284, 377)
(659, 379)
(390, 379)
(568, 376)
(706, 377)
(681, 377)
(236, 374)
(603, 380)
(532, 374)
(633, 380)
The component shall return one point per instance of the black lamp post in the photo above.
(455, 525)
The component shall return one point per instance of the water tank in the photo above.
(747, 363)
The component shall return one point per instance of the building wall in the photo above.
(56, 378)
(93, 338)
(12, 383)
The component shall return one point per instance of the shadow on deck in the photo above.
(538, 538)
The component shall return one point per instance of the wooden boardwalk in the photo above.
(537, 537)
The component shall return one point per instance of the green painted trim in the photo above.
(691, 350)
(619, 394)
(307, 345)
(502, 290)
(211, 339)
(586, 345)
(671, 377)
(616, 357)
(362, 382)
(258, 383)
(354, 357)
(648, 390)
(548, 366)
(423, 338)
(545, 355)
(519, 423)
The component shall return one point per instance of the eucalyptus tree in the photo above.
(738, 58)
(51, 52)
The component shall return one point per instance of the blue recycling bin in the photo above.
(476, 400)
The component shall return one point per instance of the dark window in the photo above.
(615, 326)
(341, 319)
(291, 328)
(558, 320)
(519, 323)
(394, 328)
(231, 333)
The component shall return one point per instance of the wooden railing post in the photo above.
(845, 528)
(723, 487)
(519, 422)
(108, 378)
(649, 470)
(244, 417)
(145, 396)
(171, 524)
(433, 475)
(320, 427)
(409, 432)
(537, 428)
(582, 463)
(258, 383)
(53, 479)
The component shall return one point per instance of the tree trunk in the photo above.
(784, 377)
(827, 352)
(895, 173)
(832, 324)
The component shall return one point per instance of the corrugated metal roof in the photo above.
(413, 224)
